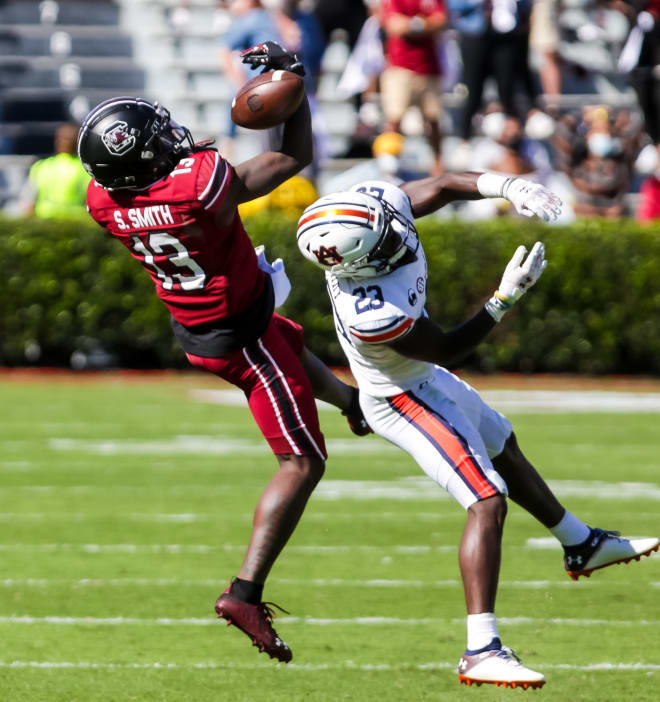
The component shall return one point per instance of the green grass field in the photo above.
(126, 505)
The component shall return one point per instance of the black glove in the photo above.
(272, 57)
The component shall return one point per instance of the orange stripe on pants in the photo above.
(448, 441)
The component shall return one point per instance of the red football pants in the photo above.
(277, 388)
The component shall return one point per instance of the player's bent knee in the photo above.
(492, 510)
(310, 468)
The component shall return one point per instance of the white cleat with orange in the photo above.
(500, 667)
(605, 548)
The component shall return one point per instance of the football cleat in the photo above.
(500, 667)
(354, 417)
(604, 548)
(256, 622)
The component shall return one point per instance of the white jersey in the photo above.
(370, 312)
(424, 409)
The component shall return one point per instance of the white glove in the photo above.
(528, 198)
(518, 278)
(277, 273)
(531, 199)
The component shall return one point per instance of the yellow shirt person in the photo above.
(58, 184)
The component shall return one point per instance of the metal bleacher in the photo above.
(57, 60)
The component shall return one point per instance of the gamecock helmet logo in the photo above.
(117, 139)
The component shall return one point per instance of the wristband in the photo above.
(498, 306)
(493, 185)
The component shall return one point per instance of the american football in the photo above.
(268, 100)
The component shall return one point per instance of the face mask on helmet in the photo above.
(354, 234)
(130, 143)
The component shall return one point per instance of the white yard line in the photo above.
(507, 400)
(202, 444)
(382, 583)
(440, 516)
(410, 488)
(317, 549)
(313, 549)
(323, 621)
(604, 666)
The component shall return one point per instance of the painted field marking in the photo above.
(309, 667)
(439, 516)
(308, 582)
(202, 444)
(18, 466)
(317, 549)
(410, 488)
(553, 401)
(322, 621)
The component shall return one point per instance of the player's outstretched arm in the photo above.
(426, 341)
(262, 174)
(430, 194)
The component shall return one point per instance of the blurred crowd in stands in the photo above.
(566, 92)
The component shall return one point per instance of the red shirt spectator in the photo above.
(649, 202)
(414, 46)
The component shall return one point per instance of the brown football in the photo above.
(268, 100)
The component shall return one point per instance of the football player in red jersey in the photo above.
(173, 204)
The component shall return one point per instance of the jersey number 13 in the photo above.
(187, 273)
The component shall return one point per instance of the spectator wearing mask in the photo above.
(412, 75)
(508, 151)
(598, 153)
(57, 185)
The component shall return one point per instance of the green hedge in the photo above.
(596, 309)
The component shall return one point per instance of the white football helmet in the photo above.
(353, 234)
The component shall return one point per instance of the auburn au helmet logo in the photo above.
(328, 255)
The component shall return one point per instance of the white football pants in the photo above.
(449, 430)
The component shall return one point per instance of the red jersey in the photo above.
(418, 54)
(203, 272)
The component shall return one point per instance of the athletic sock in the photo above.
(570, 531)
(481, 631)
(247, 591)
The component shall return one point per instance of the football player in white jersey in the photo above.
(365, 240)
